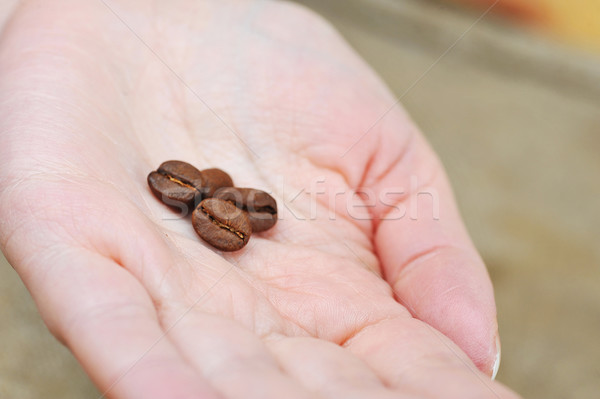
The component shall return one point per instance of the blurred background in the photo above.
(513, 109)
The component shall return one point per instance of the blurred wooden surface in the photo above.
(33, 364)
(515, 120)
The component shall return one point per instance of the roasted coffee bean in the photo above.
(176, 184)
(261, 207)
(183, 172)
(221, 224)
(214, 179)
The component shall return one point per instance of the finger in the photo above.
(109, 322)
(411, 356)
(426, 254)
(235, 360)
(328, 369)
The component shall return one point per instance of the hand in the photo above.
(340, 299)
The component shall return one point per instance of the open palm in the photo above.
(344, 298)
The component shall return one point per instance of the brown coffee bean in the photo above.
(261, 207)
(177, 184)
(182, 171)
(214, 179)
(221, 224)
(171, 192)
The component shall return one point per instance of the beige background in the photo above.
(516, 121)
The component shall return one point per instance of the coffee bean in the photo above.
(177, 184)
(182, 171)
(261, 207)
(214, 179)
(221, 224)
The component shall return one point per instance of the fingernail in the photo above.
(497, 361)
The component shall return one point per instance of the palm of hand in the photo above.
(304, 306)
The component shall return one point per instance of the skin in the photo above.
(333, 302)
